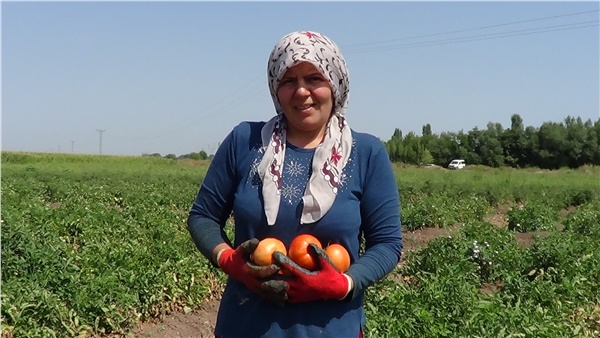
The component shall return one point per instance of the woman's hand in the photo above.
(236, 263)
(304, 285)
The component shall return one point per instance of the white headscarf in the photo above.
(332, 154)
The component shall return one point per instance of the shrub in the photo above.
(532, 216)
(584, 221)
(577, 197)
(494, 250)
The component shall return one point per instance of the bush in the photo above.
(494, 250)
(530, 217)
(584, 221)
(577, 197)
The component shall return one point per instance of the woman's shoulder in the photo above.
(248, 127)
(247, 132)
(366, 141)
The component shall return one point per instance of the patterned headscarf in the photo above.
(332, 154)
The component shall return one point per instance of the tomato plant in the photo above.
(263, 254)
(299, 251)
(339, 256)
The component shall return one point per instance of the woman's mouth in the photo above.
(304, 107)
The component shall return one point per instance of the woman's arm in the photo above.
(381, 226)
(214, 202)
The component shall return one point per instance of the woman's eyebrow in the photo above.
(308, 75)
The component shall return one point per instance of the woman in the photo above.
(303, 171)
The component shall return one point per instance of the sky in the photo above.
(133, 78)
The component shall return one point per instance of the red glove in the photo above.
(304, 285)
(236, 263)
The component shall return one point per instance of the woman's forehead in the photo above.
(301, 68)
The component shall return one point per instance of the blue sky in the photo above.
(174, 78)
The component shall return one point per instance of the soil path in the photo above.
(197, 324)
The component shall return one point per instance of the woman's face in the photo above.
(306, 98)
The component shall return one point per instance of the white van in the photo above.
(456, 164)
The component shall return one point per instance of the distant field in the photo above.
(95, 244)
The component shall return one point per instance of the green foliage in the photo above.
(201, 155)
(93, 244)
(426, 305)
(494, 250)
(87, 249)
(442, 290)
(577, 197)
(572, 143)
(570, 261)
(410, 149)
(441, 198)
(457, 256)
(532, 216)
(585, 220)
(442, 210)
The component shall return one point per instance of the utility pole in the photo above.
(72, 146)
(100, 131)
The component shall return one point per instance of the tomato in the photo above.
(339, 256)
(299, 251)
(263, 254)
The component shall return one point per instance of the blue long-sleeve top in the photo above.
(366, 208)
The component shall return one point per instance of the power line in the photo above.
(247, 90)
(488, 36)
(349, 47)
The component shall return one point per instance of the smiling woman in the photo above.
(306, 99)
(302, 174)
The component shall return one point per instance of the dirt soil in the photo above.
(197, 324)
(200, 322)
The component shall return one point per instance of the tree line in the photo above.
(571, 143)
(201, 155)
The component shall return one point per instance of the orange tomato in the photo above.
(263, 254)
(339, 256)
(299, 251)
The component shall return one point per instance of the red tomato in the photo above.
(298, 251)
(263, 254)
(339, 256)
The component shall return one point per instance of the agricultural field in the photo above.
(96, 246)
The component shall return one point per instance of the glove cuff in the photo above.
(221, 259)
(350, 286)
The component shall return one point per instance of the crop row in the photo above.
(89, 248)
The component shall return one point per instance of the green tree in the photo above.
(201, 155)
(492, 152)
(552, 145)
(576, 138)
(427, 135)
(514, 143)
(593, 142)
(394, 148)
(475, 141)
(445, 148)
(414, 151)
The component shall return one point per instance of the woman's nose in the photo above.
(302, 88)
